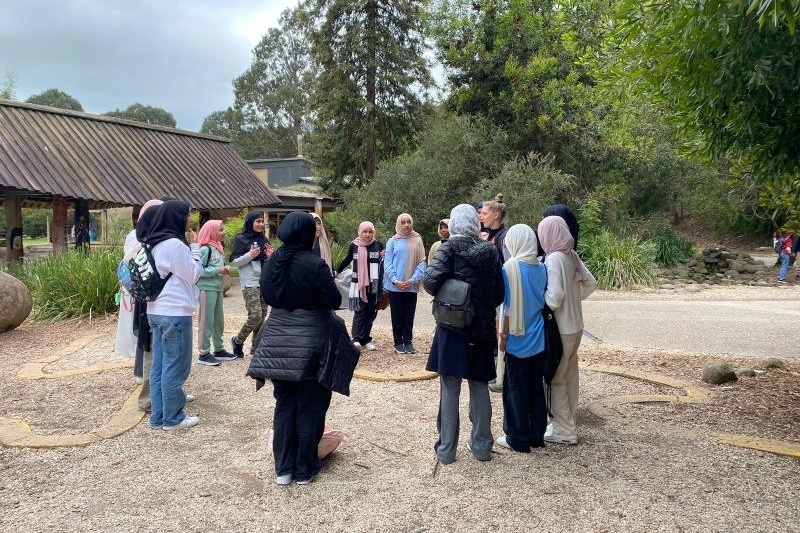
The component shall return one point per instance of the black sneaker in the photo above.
(208, 360)
(238, 350)
(400, 348)
(410, 348)
(224, 355)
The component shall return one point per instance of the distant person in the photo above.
(493, 216)
(444, 234)
(403, 270)
(522, 340)
(366, 285)
(170, 314)
(250, 249)
(459, 354)
(783, 245)
(211, 319)
(300, 288)
(568, 282)
(561, 210)
(322, 246)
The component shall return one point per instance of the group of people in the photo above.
(509, 270)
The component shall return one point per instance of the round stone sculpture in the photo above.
(15, 302)
(717, 373)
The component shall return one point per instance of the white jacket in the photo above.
(180, 294)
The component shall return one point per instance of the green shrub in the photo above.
(671, 249)
(338, 252)
(619, 262)
(72, 284)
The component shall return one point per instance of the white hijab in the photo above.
(522, 246)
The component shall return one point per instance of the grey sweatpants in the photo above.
(480, 414)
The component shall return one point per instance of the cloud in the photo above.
(181, 55)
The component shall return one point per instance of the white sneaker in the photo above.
(285, 479)
(371, 346)
(554, 438)
(501, 441)
(138, 380)
(190, 397)
(306, 481)
(187, 422)
(357, 344)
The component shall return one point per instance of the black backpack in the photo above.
(146, 282)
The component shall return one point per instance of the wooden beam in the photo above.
(13, 207)
(59, 232)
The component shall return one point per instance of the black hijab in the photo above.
(297, 233)
(243, 241)
(169, 222)
(560, 210)
(145, 221)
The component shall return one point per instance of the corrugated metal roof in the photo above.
(111, 161)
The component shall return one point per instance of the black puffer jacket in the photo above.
(476, 262)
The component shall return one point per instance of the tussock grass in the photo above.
(619, 262)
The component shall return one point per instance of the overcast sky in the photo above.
(181, 55)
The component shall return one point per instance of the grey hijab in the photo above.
(464, 222)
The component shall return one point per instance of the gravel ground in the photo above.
(655, 470)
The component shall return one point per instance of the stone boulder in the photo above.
(717, 373)
(15, 302)
(773, 362)
(745, 372)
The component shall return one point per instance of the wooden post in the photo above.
(59, 232)
(14, 250)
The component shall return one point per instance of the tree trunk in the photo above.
(371, 48)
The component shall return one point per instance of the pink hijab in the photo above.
(554, 236)
(209, 233)
(363, 259)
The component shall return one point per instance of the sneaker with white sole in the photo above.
(400, 348)
(502, 441)
(190, 397)
(225, 355)
(187, 422)
(371, 346)
(357, 345)
(554, 438)
(285, 479)
(208, 360)
(305, 481)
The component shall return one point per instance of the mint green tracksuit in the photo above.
(211, 320)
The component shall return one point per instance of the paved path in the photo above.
(739, 327)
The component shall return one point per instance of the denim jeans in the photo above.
(784, 258)
(172, 361)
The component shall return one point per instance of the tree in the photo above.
(272, 96)
(367, 99)
(56, 98)
(8, 89)
(145, 113)
(251, 142)
(723, 73)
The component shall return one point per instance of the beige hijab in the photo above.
(416, 250)
(521, 243)
(324, 245)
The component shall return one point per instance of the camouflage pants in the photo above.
(256, 313)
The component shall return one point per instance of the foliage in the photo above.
(366, 101)
(56, 98)
(338, 252)
(529, 185)
(455, 153)
(119, 225)
(145, 113)
(618, 262)
(670, 249)
(721, 72)
(8, 89)
(233, 227)
(72, 284)
(779, 202)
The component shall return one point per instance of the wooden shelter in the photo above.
(53, 157)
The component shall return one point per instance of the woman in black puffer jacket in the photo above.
(458, 354)
(298, 285)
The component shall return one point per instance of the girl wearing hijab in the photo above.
(321, 245)
(444, 234)
(404, 267)
(170, 314)
(300, 288)
(568, 282)
(365, 285)
(458, 354)
(250, 250)
(560, 210)
(522, 340)
(211, 319)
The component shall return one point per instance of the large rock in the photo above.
(15, 302)
(772, 362)
(717, 373)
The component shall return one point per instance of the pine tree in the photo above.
(368, 96)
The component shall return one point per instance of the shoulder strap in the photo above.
(208, 257)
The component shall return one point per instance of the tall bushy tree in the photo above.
(9, 86)
(56, 98)
(145, 113)
(367, 100)
(272, 96)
